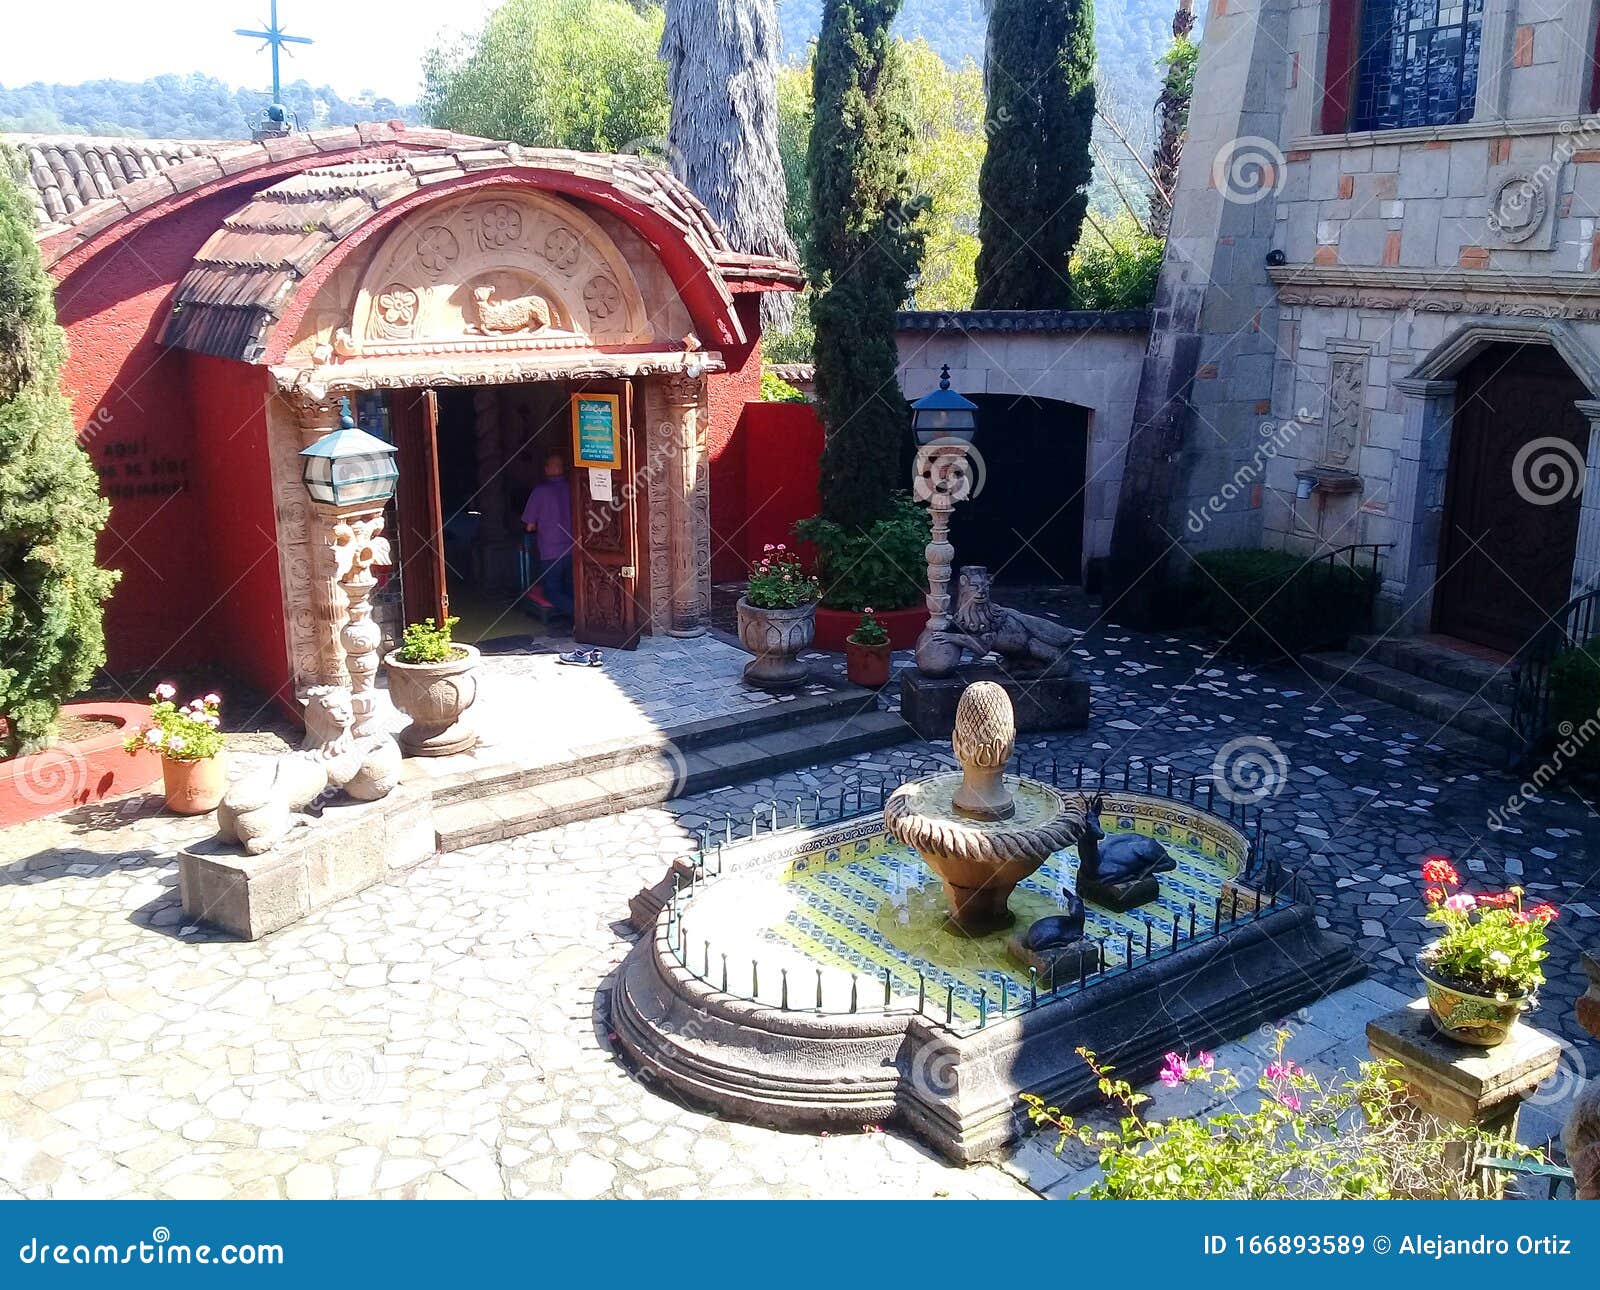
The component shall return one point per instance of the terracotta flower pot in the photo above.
(867, 665)
(435, 696)
(1467, 1016)
(194, 787)
(776, 637)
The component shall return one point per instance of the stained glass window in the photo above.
(1418, 63)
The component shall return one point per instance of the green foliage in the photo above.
(774, 389)
(861, 252)
(51, 511)
(557, 74)
(190, 733)
(1266, 604)
(1033, 186)
(794, 138)
(1360, 1139)
(1180, 60)
(1490, 944)
(869, 631)
(179, 107)
(1575, 702)
(779, 581)
(884, 566)
(1117, 270)
(428, 642)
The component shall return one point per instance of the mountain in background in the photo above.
(1130, 36)
(179, 107)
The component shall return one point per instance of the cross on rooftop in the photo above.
(274, 37)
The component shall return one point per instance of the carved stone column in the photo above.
(359, 544)
(687, 495)
(1586, 558)
(1409, 573)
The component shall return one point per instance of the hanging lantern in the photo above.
(349, 467)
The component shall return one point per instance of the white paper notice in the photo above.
(599, 485)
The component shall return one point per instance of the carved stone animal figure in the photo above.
(979, 626)
(1057, 931)
(366, 768)
(523, 313)
(1124, 859)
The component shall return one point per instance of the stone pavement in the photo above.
(443, 1034)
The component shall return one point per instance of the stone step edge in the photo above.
(608, 791)
(804, 710)
(1448, 668)
(1489, 723)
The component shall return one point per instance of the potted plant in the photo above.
(1485, 969)
(432, 680)
(866, 652)
(194, 769)
(777, 618)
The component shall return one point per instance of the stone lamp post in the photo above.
(944, 423)
(351, 476)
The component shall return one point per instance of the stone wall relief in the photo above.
(1346, 413)
(505, 271)
(1519, 205)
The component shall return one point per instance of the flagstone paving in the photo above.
(444, 1034)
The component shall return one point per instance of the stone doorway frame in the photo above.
(1406, 597)
(317, 574)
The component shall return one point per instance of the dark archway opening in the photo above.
(1026, 521)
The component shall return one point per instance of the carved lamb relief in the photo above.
(519, 314)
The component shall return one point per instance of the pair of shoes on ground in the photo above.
(580, 658)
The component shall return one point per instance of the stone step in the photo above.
(1487, 725)
(840, 703)
(654, 777)
(1434, 662)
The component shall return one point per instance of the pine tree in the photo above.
(861, 254)
(1033, 187)
(51, 510)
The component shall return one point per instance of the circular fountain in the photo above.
(979, 830)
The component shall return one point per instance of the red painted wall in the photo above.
(131, 401)
(782, 449)
(243, 618)
(727, 394)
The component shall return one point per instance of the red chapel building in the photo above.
(222, 300)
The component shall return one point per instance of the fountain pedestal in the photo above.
(1045, 702)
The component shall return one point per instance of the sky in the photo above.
(360, 45)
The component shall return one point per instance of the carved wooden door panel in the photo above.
(1510, 529)
(419, 516)
(605, 556)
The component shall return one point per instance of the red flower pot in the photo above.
(867, 665)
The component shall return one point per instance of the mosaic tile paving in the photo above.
(846, 907)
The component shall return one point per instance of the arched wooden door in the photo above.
(1509, 536)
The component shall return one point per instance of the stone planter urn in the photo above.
(434, 696)
(776, 637)
(194, 787)
(1467, 1016)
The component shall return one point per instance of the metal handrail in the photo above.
(1572, 626)
(1331, 557)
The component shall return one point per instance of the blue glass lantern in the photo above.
(944, 414)
(349, 467)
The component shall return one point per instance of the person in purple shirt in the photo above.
(547, 519)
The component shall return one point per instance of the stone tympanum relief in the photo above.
(506, 271)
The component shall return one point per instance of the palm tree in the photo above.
(722, 67)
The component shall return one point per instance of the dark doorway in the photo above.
(1026, 522)
(1508, 539)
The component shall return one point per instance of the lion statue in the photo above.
(980, 626)
(265, 806)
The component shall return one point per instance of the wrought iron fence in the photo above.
(1574, 625)
(1261, 887)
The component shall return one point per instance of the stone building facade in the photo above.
(1379, 316)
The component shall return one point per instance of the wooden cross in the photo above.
(274, 37)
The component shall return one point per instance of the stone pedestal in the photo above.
(1459, 1083)
(352, 846)
(1048, 702)
(1581, 1140)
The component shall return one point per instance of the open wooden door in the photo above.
(419, 515)
(605, 556)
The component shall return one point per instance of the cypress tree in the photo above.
(861, 253)
(51, 511)
(1033, 188)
